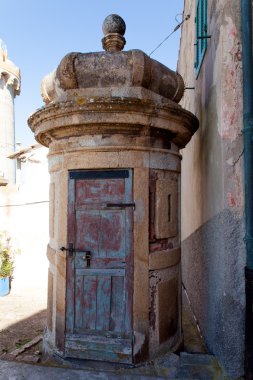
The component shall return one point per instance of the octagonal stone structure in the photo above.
(114, 130)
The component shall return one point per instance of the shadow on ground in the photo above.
(18, 334)
(23, 323)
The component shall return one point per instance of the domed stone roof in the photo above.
(113, 92)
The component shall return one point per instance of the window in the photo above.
(201, 34)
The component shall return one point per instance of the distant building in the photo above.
(24, 183)
(31, 165)
(24, 214)
(9, 88)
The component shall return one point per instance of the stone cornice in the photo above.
(100, 116)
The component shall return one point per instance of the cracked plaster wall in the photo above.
(213, 251)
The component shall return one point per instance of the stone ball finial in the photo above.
(114, 24)
(114, 28)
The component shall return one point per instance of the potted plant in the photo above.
(6, 263)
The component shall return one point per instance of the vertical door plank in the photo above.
(112, 234)
(89, 302)
(103, 302)
(117, 304)
(79, 302)
(88, 230)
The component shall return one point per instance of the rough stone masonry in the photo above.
(114, 129)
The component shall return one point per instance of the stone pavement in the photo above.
(171, 366)
(23, 319)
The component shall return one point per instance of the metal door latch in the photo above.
(87, 257)
(71, 250)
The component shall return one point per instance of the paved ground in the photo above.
(23, 318)
(14, 371)
(186, 366)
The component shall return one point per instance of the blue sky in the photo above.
(39, 33)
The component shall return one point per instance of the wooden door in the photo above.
(100, 267)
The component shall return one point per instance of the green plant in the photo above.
(6, 256)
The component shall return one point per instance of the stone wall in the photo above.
(213, 251)
(157, 273)
(107, 111)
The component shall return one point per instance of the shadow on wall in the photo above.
(210, 263)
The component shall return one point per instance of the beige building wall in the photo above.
(24, 215)
(213, 252)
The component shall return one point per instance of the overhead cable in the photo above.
(173, 31)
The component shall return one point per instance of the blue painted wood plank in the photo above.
(87, 231)
(104, 355)
(79, 297)
(89, 302)
(103, 302)
(100, 348)
(117, 305)
(112, 234)
(99, 272)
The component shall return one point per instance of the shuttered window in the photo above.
(200, 34)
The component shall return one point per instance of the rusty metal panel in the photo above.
(99, 295)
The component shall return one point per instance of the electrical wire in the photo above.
(179, 14)
(173, 31)
(6, 145)
(24, 204)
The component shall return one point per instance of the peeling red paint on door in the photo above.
(99, 291)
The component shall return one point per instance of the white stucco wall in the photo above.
(24, 214)
(213, 251)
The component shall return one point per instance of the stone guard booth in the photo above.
(114, 130)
